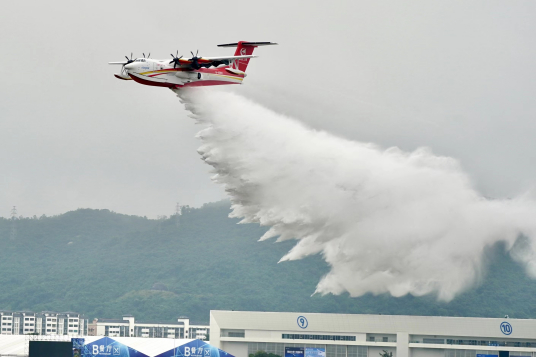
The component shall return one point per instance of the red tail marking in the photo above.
(242, 64)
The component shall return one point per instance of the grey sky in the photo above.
(457, 76)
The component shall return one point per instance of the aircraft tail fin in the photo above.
(244, 48)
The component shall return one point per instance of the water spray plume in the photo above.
(386, 221)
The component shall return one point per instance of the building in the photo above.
(128, 327)
(43, 323)
(243, 333)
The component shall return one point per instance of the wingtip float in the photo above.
(190, 72)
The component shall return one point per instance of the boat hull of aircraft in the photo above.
(202, 77)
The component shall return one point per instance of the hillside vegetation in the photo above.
(106, 264)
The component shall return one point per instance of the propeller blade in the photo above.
(131, 55)
(149, 55)
(143, 55)
(196, 53)
(126, 58)
(192, 54)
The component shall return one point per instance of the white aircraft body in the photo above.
(196, 71)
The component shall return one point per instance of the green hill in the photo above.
(106, 264)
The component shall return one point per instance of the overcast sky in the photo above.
(456, 76)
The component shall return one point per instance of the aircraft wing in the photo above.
(207, 60)
(122, 62)
(211, 59)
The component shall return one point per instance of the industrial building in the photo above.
(243, 333)
(43, 323)
(129, 327)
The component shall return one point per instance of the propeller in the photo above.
(147, 56)
(175, 60)
(129, 60)
(194, 59)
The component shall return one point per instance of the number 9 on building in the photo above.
(302, 322)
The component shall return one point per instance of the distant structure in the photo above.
(13, 223)
(177, 215)
(43, 323)
(129, 327)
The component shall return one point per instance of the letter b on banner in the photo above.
(95, 349)
(186, 351)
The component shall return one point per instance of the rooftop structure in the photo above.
(129, 327)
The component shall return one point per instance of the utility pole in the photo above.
(13, 223)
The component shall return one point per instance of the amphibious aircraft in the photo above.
(190, 72)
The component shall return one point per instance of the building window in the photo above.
(277, 349)
(437, 341)
(317, 337)
(236, 334)
(335, 351)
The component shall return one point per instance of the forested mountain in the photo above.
(106, 264)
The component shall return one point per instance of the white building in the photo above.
(243, 333)
(42, 323)
(128, 327)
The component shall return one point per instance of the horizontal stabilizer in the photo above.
(254, 44)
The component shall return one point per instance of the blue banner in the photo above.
(294, 352)
(78, 344)
(315, 352)
(195, 348)
(480, 355)
(107, 347)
